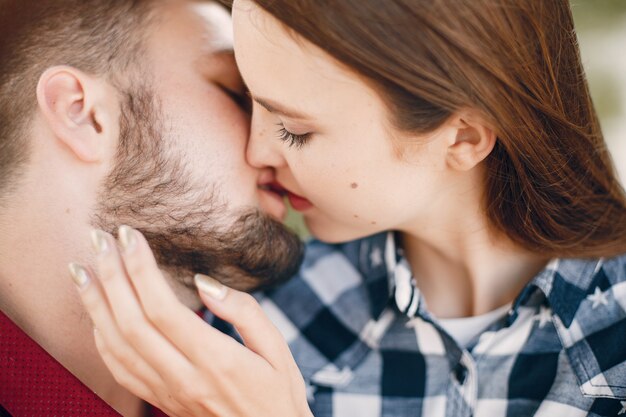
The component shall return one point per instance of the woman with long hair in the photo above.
(449, 155)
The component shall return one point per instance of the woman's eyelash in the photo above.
(293, 140)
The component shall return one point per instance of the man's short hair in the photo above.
(99, 37)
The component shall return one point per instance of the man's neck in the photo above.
(37, 294)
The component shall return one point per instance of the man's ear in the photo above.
(473, 142)
(76, 109)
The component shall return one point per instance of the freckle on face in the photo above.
(354, 185)
(356, 216)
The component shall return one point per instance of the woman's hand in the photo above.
(164, 353)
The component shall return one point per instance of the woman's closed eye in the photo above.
(292, 139)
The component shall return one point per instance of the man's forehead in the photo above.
(218, 26)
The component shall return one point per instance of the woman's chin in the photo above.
(329, 231)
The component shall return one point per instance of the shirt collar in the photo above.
(564, 282)
(372, 265)
(388, 277)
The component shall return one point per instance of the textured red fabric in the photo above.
(34, 384)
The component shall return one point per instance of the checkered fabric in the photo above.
(368, 347)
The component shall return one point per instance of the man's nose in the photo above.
(264, 147)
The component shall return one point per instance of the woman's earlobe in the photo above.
(70, 103)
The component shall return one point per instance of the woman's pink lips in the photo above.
(298, 202)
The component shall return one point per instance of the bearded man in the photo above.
(118, 112)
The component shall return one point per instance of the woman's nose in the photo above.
(264, 147)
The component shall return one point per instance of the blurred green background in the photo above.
(592, 14)
(601, 28)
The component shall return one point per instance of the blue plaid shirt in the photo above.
(368, 347)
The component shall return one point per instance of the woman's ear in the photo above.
(473, 142)
(75, 108)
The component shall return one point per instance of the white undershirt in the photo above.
(465, 329)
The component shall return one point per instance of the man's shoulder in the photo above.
(32, 382)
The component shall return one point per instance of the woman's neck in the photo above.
(462, 266)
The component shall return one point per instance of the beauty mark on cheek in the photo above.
(354, 185)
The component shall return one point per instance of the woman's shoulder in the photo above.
(356, 252)
(569, 277)
(332, 274)
(588, 297)
(615, 268)
(575, 286)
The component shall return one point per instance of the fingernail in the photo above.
(79, 275)
(127, 238)
(99, 241)
(210, 287)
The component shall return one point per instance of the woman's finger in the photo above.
(145, 275)
(122, 375)
(244, 312)
(126, 310)
(128, 368)
(188, 332)
(93, 300)
(148, 386)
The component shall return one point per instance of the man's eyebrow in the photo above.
(208, 56)
(223, 51)
(276, 108)
(216, 53)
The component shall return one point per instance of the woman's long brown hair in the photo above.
(551, 185)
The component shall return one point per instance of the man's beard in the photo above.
(183, 220)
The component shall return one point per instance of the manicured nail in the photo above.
(99, 241)
(127, 238)
(79, 275)
(210, 287)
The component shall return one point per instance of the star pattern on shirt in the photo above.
(598, 297)
(376, 257)
(623, 410)
(544, 316)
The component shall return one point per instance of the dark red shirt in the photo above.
(34, 384)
